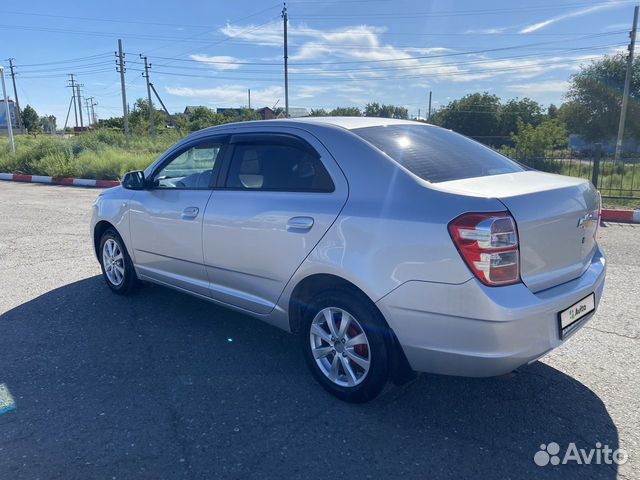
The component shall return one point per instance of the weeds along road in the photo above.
(162, 385)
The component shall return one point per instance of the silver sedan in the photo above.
(388, 246)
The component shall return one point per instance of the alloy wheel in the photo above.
(340, 347)
(113, 262)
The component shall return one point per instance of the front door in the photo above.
(166, 218)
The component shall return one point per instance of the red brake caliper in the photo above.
(360, 349)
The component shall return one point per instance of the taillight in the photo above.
(488, 243)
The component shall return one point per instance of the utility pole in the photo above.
(249, 93)
(125, 110)
(169, 116)
(627, 84)
(152, 124)
(8, 112)
(68, 112)
(86, 103)
(429, 114)
(72, 85)
(80, 105)
(93, 112)
(15, 94)
(285, 19)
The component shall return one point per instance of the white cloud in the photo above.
(488, 31)
(540, 88)
(229, 94)
(576, 13)
(219, 62)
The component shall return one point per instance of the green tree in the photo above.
(113, 122)
(318, 112)
(552, 111)
(515, 111)
(30, 120)
(476, 115)
(48, 123)
(386, 111)
(346, 112)
(595, 97)
(203, 117)
(532, 141)
(139, 118)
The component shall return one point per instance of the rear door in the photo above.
(278, 194)
(166, 218)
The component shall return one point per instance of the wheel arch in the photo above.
(99, 229)
(307, 288)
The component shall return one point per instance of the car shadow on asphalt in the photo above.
(159, 385)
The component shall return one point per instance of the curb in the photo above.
(628, 216)
(74, 182)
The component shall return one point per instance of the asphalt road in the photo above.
(160, 385)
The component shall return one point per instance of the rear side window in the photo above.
(277, 167)
(435, 154)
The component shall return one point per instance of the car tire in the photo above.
(351, 363)
(115, 262)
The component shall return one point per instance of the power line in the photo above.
(480, 72)
(315, 71)
(397, 59)
(338, 47)
(58, 75)
(239, 20)
(408, 14)
(449, 13)
(90, 66)
(71, 60)
(119, 20)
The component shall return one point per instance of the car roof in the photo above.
(348, 123)
(353, 122)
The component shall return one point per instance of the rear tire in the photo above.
(343, 339)
(117, 267)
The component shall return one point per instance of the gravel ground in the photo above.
(162, 385)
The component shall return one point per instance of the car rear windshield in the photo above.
(435, 154)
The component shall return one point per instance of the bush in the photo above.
(57, 165)
(102, 154)
(111, 163)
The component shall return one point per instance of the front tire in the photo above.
(117, 268)
(343, 339)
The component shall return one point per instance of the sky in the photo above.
(341, 53)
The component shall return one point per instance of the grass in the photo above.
(101, 155)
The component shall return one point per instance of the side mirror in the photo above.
(134, 180)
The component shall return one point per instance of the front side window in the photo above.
(190, 169)
(435, 154)
(277, 167)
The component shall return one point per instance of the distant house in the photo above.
(266, 113)
(189, 109)
(296, 112)
(3, 117)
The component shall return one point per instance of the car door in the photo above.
(278, 195)
(166, 217)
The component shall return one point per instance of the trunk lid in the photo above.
(556, 217)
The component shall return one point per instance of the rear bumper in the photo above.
(478, 331)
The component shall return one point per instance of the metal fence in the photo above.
(619, 179)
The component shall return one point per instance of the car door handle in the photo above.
(190, 212)
(299, 224)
